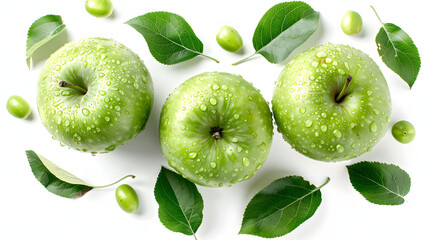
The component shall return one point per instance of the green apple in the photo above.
(332, 103)
(216, 129)
(94, 95)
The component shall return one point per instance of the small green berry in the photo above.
(18, 107)
(229, 39)
(351, 23)
(99, 8)
(403, 131)
(127, 198)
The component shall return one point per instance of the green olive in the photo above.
(99, 8)
(351, 23)
(127, 198)
(18, 107)
(403, 131)
(229, 39)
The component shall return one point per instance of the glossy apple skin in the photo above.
(115, 108)
(310, 119)
(219, 100)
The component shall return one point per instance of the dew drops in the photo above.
(321, 54)
(192, 155)
(246, 161)
(213, 101)
(65, 93)
(203, 107)
(58, 67)
(341, 71)
(250, 98)
(340, 148)
(236, 116)
(324, 128)
(213, 165)
(100, 75)
(308, 123)
(302, 110)
(102, 93)
(312, 77)
(76, 137)
(373, 127)
(262, 146)
(328, 60)
(376, 111)
(239, 149)
(354, 145)
(85, 112)
(234, 139)
(324, 115)
(224, 87)
(215, 87)
(337, 133)
(315, 64)
(67, 123)
(107, 119)
(118, 108)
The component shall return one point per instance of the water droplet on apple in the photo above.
(239, 149)
(85, 112)
(236, 116)
(118, 108)
(312, 145)
(224, 87)
(341, 71)
(183, 127)
(262, 146)
(346, 64)
(107, 119)
(215, 87)
(328, 60)
(321, 54)
(58, 67)
(254, 135)
(354, 145)
(250, 98)
(324, 128)
(110, 148)
(324, 115)
(311, 77)
(59, 120)
(213, 101)
(203, 107)
(67, 123)
(246, 161)
(376, 111)
(76, 137)
(373, 127)
(308, 123)
(192, 155)
(337, 133)
(234, 139)
(315, 64)
(302, 110)
(340, 148)
(213, 165)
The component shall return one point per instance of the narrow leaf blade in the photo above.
(180, 203)
(283, 28)
(170, 38)
(55, 179)
(281, 207)
(398, 52)
(41, 31)
(380, 183)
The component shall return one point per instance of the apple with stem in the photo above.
(332, 103)
(216, 129)
(94, 95)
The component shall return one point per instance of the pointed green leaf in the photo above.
(180, 203)
(380, 183)
(169, 37)
(281, 207)
(398, 51)
(55, 179)
(282, 29)
(41, 31)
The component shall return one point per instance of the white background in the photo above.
(28, 211)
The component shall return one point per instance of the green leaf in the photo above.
(380, 183)
(58, 181)
(282, 29)
(170, 38)
(398, 51)
(180, 203)
(281, 207)
(41, 31)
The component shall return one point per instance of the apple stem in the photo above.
(71, 85)
(343, 91)
(244, 59)
(108, 185)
